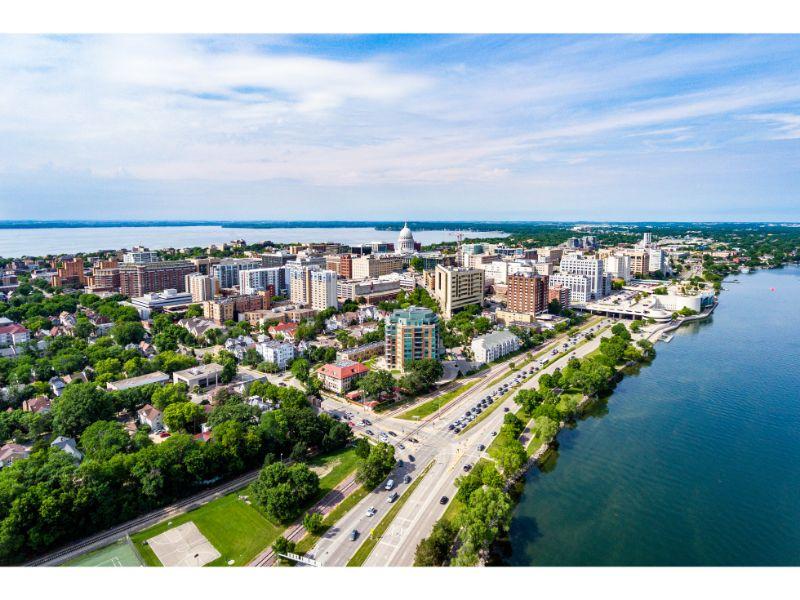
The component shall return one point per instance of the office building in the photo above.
(151, 301)
(201, 287)
(373, 265)
(140, 279)
(495, 345)
(372, 290)
(527, 292)
(580, 286)
(412, 333)
(591, 268)
(618, 266)
(560, 293)
(276, 259)
(457, 287)
(341, 263)
(323, 290)
(640, 263)
(203, 264)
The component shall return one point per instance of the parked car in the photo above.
(407, 479)
(443, 500)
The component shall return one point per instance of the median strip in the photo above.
(362, 554)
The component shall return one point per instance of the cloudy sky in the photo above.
(393, 127)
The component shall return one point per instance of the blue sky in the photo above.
(391, 127)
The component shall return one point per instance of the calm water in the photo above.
(694, 461)
(38, 242)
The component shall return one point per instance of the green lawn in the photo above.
(431, 406)
(237, 530)
(362, 554)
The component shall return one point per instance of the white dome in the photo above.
(405, 233)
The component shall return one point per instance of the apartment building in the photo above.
(640, 262)
(259, 280)
(323, 289)
(299, 278)
(140, 256)
(527, 292)
(412, 333)
(580, 287)
(495, 345)
(618, 266)
(201, 287)
(457, 287)
(341, 263)
(560, 293)
(70, 273)
(275, 352)
(373, 265)
(227, 270)
(139, 279)
(104, 277)
(228, 308)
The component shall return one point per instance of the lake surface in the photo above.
(695, 460)
(39, 242)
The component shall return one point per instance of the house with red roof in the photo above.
(287, 330)
(13, 334)
(341, 376)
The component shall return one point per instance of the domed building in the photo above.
(405, 241)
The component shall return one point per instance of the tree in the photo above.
(283, 491)
(183, 416)
(554, 307)
(434, 550)
(127, 332)
(300, 369)
(376, 382)
(486, 515)
(380, 462)
(621, 331)
(545, 428)
(80, 405)
(283, 546)
(511, 456)
(313, 522)
(169, 394)
(362, 447)
(103, 439)
(194, 310)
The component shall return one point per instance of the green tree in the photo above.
(169, 394)
(313, 522)
(183, 416)
(376, 382)
(434, 550)
(194, 310)
(103, 439)
(283, 491)
(80, 405)
(380, 462)
(127, 332)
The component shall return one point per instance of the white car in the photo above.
(371, 511)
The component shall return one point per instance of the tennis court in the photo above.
(183, 546)
(119, 554)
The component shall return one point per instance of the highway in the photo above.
(451, 452)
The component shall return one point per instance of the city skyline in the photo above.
(534, 127)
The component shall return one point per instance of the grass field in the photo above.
(118, 554)
(239, 530)
(431, 406)
(362, 554)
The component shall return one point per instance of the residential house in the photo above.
(341, 376)
(37, 404)
(149, 415)
(10, 453)
(69, 446)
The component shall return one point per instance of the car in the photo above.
(467, 467)
(384, 438)
(443, 500)
(407, 479)
(478, 411)
(371, 511)
(393, 434)
(389, 485)
(392, 498)
(351, 424)
(506, 409)
(411, 458)
(494, 433)
(400, 463)
(481, 447)
(369, 432)
(367, 422)
(456, 430)
(451, 426)
(413, 440)
(401, 446)
(354, 535)
(335, 417)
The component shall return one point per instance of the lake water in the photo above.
(695, 460)
(39, 242)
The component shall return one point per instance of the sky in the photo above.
(492, 127)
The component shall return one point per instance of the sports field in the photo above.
(118, 554)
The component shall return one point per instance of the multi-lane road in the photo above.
(432, 441)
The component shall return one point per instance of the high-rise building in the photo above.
(457, 287)
(228, 308)
(201, 287)
(580, 287)
(373, 265)
(299, 278)
(140, 256)
(105, 277)
(323, 289)
(412, 333)
(259, 280)
(640, 262)
(591, 268)
(227, 270)
(618, 266)
(341, 263)
(527, 293)
(656, 260)
(140, 279)
(560, 293)
(405, 241)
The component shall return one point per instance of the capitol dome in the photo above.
(405, 241)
